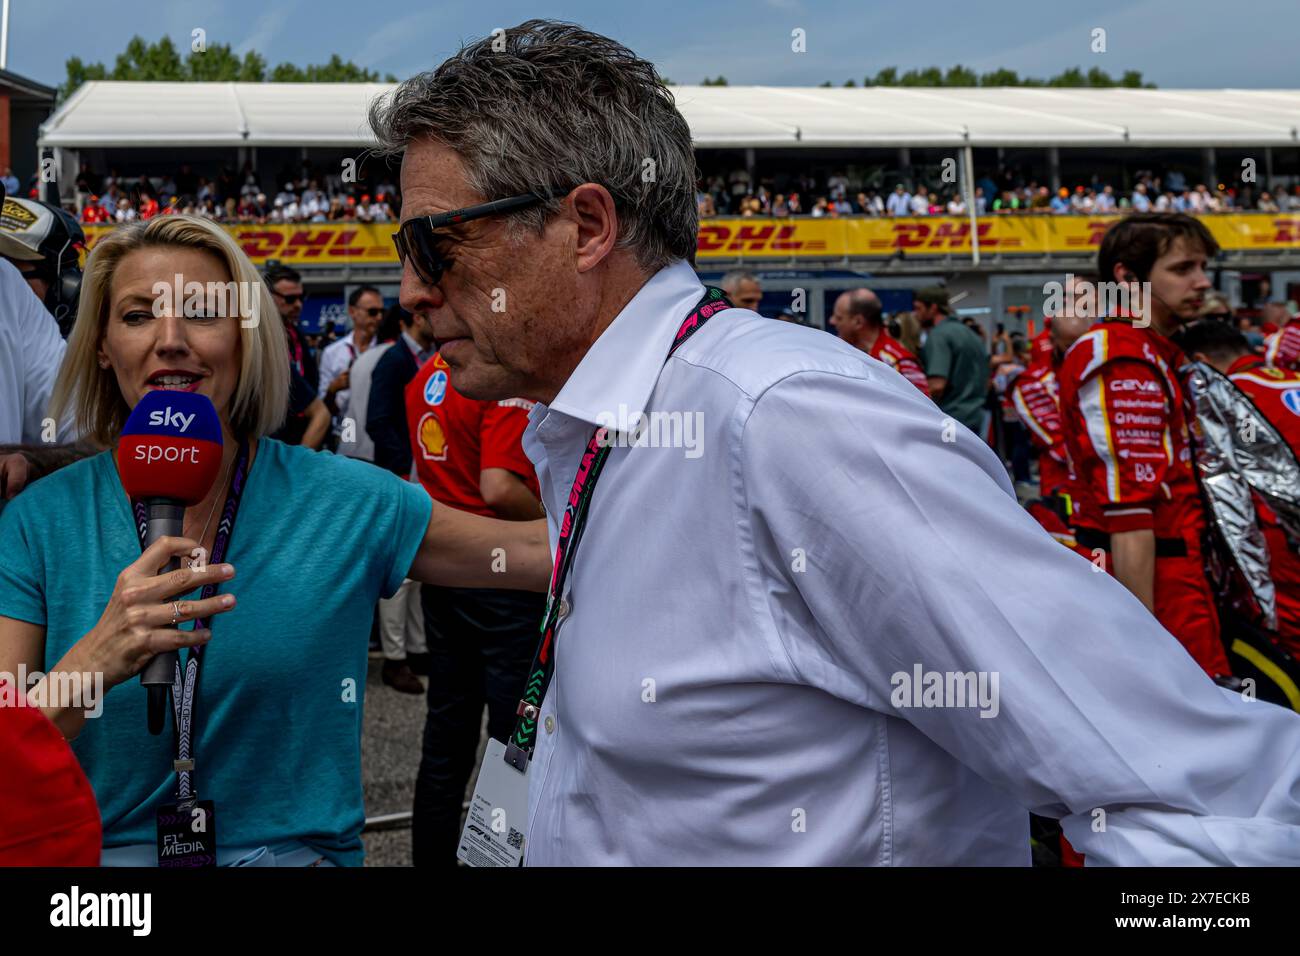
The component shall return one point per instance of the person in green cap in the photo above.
(956, 365)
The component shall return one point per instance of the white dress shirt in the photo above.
(739, 610)
(363, 368)
(334, 361)
(31, 352)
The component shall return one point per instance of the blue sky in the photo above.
(1175, 43)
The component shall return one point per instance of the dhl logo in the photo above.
(1096, 229)
(940, 235)
(1286, 232)
(299, 245)
(754, 239)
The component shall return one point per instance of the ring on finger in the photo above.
(176, 612)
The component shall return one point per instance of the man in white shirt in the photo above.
(807, 622)
(899, 202)
(365, 307)
(31, 353)
(920, 202)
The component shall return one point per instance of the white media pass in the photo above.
(498, 813)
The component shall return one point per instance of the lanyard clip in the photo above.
(517, 757)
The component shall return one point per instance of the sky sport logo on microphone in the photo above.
(170, 447)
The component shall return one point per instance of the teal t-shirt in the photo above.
(955, 353)
(318, 540)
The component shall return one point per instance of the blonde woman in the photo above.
(318, 539)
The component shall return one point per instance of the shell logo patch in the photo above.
(435, 389)
(1291, 399)
(433, 441)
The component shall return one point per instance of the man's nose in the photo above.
(416, 295)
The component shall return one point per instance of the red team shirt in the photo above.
(1034, 395)
(1282, 349)
(1276, 393)
(453, 438)
(889, 350)
(1127, 432)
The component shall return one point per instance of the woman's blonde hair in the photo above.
(262, 392)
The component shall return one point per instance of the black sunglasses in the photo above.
(373, 312)
(290, 299)
(416, 241)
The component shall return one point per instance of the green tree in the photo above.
(960, 76)
(720, 81)
(142, 60)
(886, 77)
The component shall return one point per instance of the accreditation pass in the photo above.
(498, 812)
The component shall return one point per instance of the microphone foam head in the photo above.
(170, 447)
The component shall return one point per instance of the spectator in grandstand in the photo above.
(820, 208)
(899, 202)
(125, 212)
(796, 204)
(743, 289)
(1006, 203)
(1106, 200)
(1061, 201)
(1140, 201)
(981, 203)
(956, 205)
(920, 204)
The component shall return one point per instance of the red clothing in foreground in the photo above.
(48, 814)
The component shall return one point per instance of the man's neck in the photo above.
(361, 340)
(868, 339)
(613, 299)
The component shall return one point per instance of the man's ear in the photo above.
(592, 208)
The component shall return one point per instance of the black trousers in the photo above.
(481, 642)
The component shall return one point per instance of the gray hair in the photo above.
(547, 106)
(730, 282)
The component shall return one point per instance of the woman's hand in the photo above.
(135, 626)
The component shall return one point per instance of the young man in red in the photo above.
(858, 320)
(1035, 392)
(480, 640)
(1128, 428)
(1276, 393)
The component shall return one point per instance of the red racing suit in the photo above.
(1276, 393)
(889, 350)
(1127, 431)
(1041, 349)
(1282, 348)
(1035, 399)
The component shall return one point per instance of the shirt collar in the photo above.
(621, 368)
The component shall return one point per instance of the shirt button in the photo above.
(550, 723)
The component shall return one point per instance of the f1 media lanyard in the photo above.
(183, 686)
(519, 749)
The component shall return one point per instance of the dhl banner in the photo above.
(335, 243)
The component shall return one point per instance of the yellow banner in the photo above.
(806, 239)
(308, 243)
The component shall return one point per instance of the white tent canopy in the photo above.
(120, 114)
